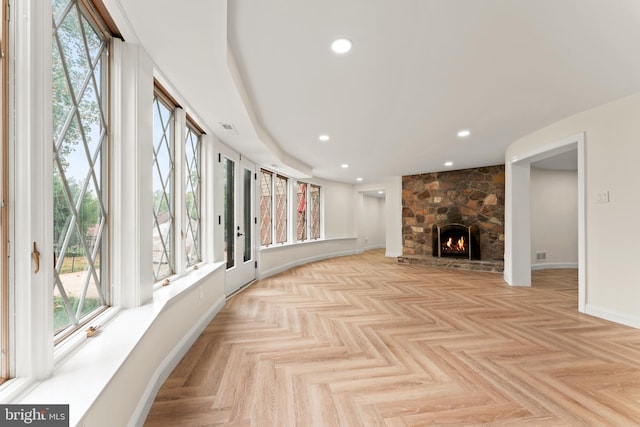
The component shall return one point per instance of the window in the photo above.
(4, 270)
(273, 204)
(266, 184)
(229, 212)
(301, 200)
(192, 195)
(247, 214)
(308, 211)
(79, 76)
(314, 211)
(281, 208)
(163, 185)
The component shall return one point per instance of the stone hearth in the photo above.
(471, 197)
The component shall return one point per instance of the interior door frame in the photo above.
(517, 271)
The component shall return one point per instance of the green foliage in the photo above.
(60, 315)
(88, 213)
(77, 120)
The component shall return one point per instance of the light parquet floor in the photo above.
(364, 341)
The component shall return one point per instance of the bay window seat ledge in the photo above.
(82, 376)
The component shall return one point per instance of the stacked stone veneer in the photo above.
(468, 196)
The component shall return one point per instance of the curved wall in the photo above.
(554, 218)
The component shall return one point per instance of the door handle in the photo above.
(239, 234)
(36, 257)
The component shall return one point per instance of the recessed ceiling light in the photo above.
(359, 179)
(344, 166)
(380, 192)
(464, 133)
(447, 164)
(341, 46)
(324, 138)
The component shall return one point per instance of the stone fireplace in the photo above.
(463, 209)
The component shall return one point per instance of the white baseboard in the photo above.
(554, 265)
(613, 316)
(170, 362)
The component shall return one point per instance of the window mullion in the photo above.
(32, 171)
(130, 199)
(178, 191)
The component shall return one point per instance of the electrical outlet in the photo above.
(602, 197)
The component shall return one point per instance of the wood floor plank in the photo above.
(365, 341)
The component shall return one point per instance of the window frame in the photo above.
(4, 188)
(160, 95)
(281, 210)
(99, 24)
(302, 231)
(191, 128)
(266, 211)
(314, 234)
(269, 210)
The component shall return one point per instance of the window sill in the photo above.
(83, 370)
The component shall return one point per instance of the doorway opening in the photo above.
(518, 232)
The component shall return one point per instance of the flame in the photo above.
(459, 246)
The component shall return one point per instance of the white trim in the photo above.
(517, 225)
(131, 192)
(31, 186)
(179, 199)
(112, 348)
(613, 316)
(170, 362)
(554, 265)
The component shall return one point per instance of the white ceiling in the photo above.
(419, 71)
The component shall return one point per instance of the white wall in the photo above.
(612, 151)
(392, 188)
(371, 224)
(554, 217)
(338, 209)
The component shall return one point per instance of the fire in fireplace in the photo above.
(456, 240)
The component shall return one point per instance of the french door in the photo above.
(238, 221)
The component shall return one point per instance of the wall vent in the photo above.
(228, 128)
(541, 256)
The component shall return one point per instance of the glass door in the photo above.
(239, 221)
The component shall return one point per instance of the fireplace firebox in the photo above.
(456, 241)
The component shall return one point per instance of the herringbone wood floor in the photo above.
(364, 341)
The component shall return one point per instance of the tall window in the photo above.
(281, 208)
(4, 276)
(192, 195)
(79, 73)
(308, 211)
(266, 192)
(301, 199)
(163, 187)
(229, 212)
(314, 211)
